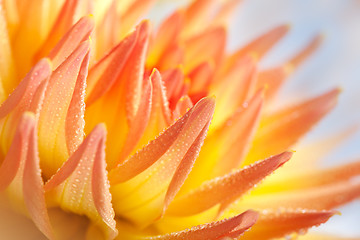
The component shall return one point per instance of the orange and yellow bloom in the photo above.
(109, 128)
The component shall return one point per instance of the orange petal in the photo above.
(174, 84)
(165, 162)
(167, 35)
(104, 74)
(108, 30)
(124, 94)
(68, 43)
(321, 197)
(20, 174)
(148, 156)
(232, 227)
(27, 96)
(226, 10)
(22, 96)
(197, 48)
(196, 14)
(74, 123)
(313, 178)
(226, 146)
(272, 79)
(236, 86)
(275, 77)
(65, 80)
(160, 115)
(201, 77)
(280, 224)
(174, 57)
(134, 71)
(140, 123)
(81, 184)
(312, 46)
(281, 130)
(182, 106)
(261, 45)
(63, 29)
(225, 189)
(7, 68)
(133, 13)
(312, 236)
(34, 27)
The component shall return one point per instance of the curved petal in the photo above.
(81, 184)
(232, 227)
(164, 162)
(20, 174)
(282, 223)
(226, 189)
(280, 130)
(226, 146)
(64, 85)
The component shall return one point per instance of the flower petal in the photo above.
(140, 123)
(321, 197)
(108, 29)
(274, 78)
(226, 146)
(272, 225)
(312, 236)
(63, 29)
(225, 189)
(312, 178)
(125, 95)
(232, 227)
(105, 73)
(167, 35)
(160, 114)
(201, 77)
(7, 68)
(281, 130)
(165, 162)
(81, 185)
(174, 84)
(182, 106)
(261, 45)
(27, 96)
(71, 39)
(236, 86)
(22, 96)
(34, 17)
(64, 81)
(132, 14)
(196, 13)
(197, 48)
(20, 174)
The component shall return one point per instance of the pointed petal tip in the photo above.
(28, 116)
(252, 217)
(101, 127)
(145, 26)
(326, 215)
(284, 157)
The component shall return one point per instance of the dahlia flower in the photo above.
(109, 127)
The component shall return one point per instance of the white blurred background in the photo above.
(335, 63)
